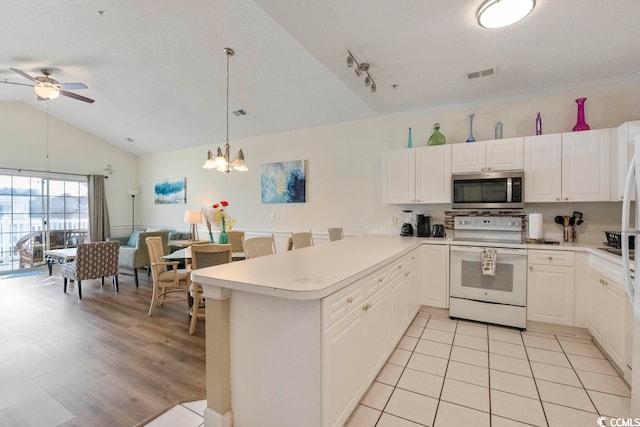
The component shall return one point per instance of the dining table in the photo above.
(59, 256)
(184, 254)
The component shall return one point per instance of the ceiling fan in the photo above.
(48, 88)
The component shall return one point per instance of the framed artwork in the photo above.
(283, 182)
(171, 191)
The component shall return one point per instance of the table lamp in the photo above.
(193, 218)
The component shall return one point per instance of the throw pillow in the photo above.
(133, 240)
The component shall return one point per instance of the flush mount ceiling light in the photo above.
(222, 161)
(360, 69)
(502, 13)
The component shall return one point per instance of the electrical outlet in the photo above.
(394, 221)
(273, 216)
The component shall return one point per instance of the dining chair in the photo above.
(165, 281)
(202, 256)
(259, 246)
(335, 234)
(302, 240)
(235, 240)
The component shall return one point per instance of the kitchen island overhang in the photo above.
(270, 349)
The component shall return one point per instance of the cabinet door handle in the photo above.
(550, 258)
(566, 198)
(530, 268)
(349, 300)
(400, 267)
(488, 169)
(557, 199)
(406, 274)
(366, 307)
(380, 279)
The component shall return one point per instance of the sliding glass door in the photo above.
(38, 214)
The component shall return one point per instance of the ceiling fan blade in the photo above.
(25, 75)
(76, 96)
(19, 84)
(73, 86)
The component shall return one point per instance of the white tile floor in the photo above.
(457, 373)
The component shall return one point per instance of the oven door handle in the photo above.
(478, 250)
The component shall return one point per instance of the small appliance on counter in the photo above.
(423, 225)
(407, 220)
(438, 230)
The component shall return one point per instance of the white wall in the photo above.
(23, 132)
(344, 164)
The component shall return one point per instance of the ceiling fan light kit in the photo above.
(361, 68)
(502, 13)
(47, 88)
(222, 162)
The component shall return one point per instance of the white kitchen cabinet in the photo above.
(607, 310)
(550, 287)
(622, 150)
(568, 167)
(585, 166)
(543, 168)
(417, 175)
(398, 176)
(360, 322)
(483, 156)
(434, 290)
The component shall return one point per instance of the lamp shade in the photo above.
(133, 193)
(502, 13)
(47, 92)
(193, 217)
(210, 162)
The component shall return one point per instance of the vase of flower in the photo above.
(223, 238)
(581, 124)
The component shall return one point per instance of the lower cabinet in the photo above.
(435, 276)
(356, 346)
(550, 287)
(607, 305)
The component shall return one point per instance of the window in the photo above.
(37, 214)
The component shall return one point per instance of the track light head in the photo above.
(373, 87)
(349, 61)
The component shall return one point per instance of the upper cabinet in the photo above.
(622, 150)
(417, 175)
(482, 156)
(585, 166)
(543, 168)
(568, 167)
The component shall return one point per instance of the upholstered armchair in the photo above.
(94, 260)
(133, 250)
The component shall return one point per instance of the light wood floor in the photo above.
(99, 361)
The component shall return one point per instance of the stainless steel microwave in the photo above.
(488, 190)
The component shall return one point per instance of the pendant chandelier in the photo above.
(222, 161)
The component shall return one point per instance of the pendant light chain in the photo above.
(228, 55)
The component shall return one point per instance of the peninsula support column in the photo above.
(218, 412)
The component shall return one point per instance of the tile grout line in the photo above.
(535, 383)
(444, 377)
(578, 376)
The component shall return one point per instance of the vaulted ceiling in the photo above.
(156, 68)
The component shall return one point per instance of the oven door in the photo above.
(508, 286)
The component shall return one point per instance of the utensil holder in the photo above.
(567, 233)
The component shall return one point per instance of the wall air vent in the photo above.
(239, 113)
(481, 73)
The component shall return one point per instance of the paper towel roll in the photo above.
(535, 226)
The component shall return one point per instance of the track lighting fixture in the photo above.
(361, 68)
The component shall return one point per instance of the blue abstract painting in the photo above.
(283, 182)
(171, 191)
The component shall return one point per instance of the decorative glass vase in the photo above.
(471, 138)
(223, 238)
(581, 124)
(211, 238)
(436, 137)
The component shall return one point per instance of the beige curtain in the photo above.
(99, 227)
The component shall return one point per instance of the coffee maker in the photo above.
(407, 228)
(423, 225)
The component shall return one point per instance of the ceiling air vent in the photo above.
(239, 113)
(481, 73)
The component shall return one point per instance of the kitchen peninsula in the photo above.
(297, 338)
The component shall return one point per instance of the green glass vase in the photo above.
(436, 137)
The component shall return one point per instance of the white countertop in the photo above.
(318, 271)
(313, 272)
